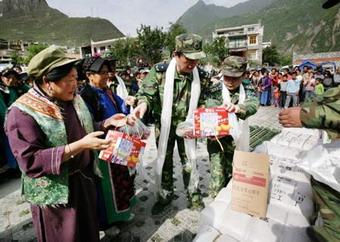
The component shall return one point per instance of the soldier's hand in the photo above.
(116, 120)
(232, 108)
(130, 100)
(290, 117)
(131, 120)
(140, 110)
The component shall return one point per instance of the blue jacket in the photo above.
(100, 104)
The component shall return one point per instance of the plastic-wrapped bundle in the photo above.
(185, 128)
(138, 130)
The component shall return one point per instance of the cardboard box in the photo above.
(211, 122)
(124, 149)
(250, 183)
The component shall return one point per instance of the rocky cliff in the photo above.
(34, 20)
(10, 7)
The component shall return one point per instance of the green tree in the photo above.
(151, 43)
(17, 58)
(125, 50)
(271, 56)
(174, 30)
(285, 59)
(32, 50)
(217, 50)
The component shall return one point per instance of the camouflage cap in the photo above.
(234, 66)
(330, 3)
(46, 60)
(190, 45)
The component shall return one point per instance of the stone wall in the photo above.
(318, 58)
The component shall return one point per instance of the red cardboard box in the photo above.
(124, 149)
(211, 122)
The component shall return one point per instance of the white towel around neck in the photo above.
(121, 88)
(227, 98)
(241, 129)
(190, 144)
(122, 91)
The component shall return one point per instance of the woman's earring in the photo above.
(50, 89)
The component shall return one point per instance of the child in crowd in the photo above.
(283, 90)
(276, 96)
(319, 88)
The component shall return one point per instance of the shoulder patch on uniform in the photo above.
(203, 74)
(161, 67)
(215, 87)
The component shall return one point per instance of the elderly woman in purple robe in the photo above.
(51, 134)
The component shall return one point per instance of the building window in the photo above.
(251, 29)
(252, 40)
(237, 43)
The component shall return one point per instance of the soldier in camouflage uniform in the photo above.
(233, 69)
(322, 112)
(150, 98)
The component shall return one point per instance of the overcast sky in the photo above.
(128, 15)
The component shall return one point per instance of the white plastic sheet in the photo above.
(207, 233)
(290, 199)
(323, 163)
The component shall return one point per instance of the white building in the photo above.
(245, 40)
(98, 47)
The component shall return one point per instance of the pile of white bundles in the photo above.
(295, 154)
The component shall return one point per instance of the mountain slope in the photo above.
(201, 14)
(292, 25)
(34, 20)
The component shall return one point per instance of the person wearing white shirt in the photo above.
(293, 87)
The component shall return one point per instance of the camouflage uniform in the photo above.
(221, 160)
(152, 91)
(323, 112)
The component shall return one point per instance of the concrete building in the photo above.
(98, 47)
(245, 40)
(9, 47)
